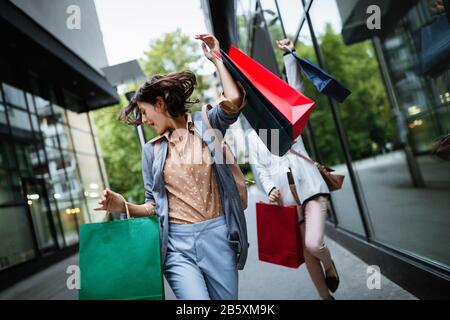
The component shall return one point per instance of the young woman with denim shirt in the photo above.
(203, 228)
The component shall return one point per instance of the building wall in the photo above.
(51, 175)
(52, 15)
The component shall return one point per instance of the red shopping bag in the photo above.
(293, 105)
(261, 114)
(279, 238)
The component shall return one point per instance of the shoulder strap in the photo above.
(298, 154)
(292, 186)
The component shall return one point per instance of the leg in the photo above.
(183, 275)
(315, 215)
(218, 262)
(314, 269)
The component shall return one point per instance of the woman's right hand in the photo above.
(274, 195)
(211, 42)
(111, 201)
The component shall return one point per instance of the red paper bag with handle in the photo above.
(290, 103)
(279, 237)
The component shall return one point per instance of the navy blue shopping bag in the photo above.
(323, 81)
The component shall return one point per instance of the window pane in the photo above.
(59, 113)
(410, 219)
(291, 14)
(37, 205)
(244, 9)
(56, 197)
(274, 28)
(14, 96)
(69, 221)
(328, 144)
(10, 184)
(17, 243)
(3, 115)
(19, 119)
(42, 106)
(6, 192)
(92, 183)
(443, 114)
(54, 131)
(64, 188)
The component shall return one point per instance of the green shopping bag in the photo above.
(121, 260)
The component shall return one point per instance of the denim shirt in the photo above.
(155, 191)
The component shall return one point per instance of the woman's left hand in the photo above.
(209, 41)
(285, 43)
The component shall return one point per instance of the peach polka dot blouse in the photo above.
(190, 179)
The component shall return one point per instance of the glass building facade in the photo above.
(396, 193)
(51, 175)
(51, 170)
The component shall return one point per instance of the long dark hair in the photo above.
(174, 88)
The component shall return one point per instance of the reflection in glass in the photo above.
(68, 217)
(39, 213)
(3, 116)
(15, 231)
(291, 13)
(59, 113)
(19, 119)
(14, 96)
(92, 183)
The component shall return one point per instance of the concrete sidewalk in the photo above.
(259, 280)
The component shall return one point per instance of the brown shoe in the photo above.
(332, 277)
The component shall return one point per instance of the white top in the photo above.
(272, 170)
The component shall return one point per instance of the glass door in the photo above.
(38, 206)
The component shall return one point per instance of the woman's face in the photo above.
(155, 115)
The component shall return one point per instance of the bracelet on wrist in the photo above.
(149, 212)
(288, 52)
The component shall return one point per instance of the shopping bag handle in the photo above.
(287, 49)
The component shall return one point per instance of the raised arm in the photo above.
(293, 69)
(231, 89)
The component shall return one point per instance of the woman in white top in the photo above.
(312, 190)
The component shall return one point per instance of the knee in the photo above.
(314, 247)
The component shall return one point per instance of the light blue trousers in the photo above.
(200, 264)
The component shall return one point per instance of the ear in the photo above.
(160, 105)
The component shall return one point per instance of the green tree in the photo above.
(172, 52)
(175, 51)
